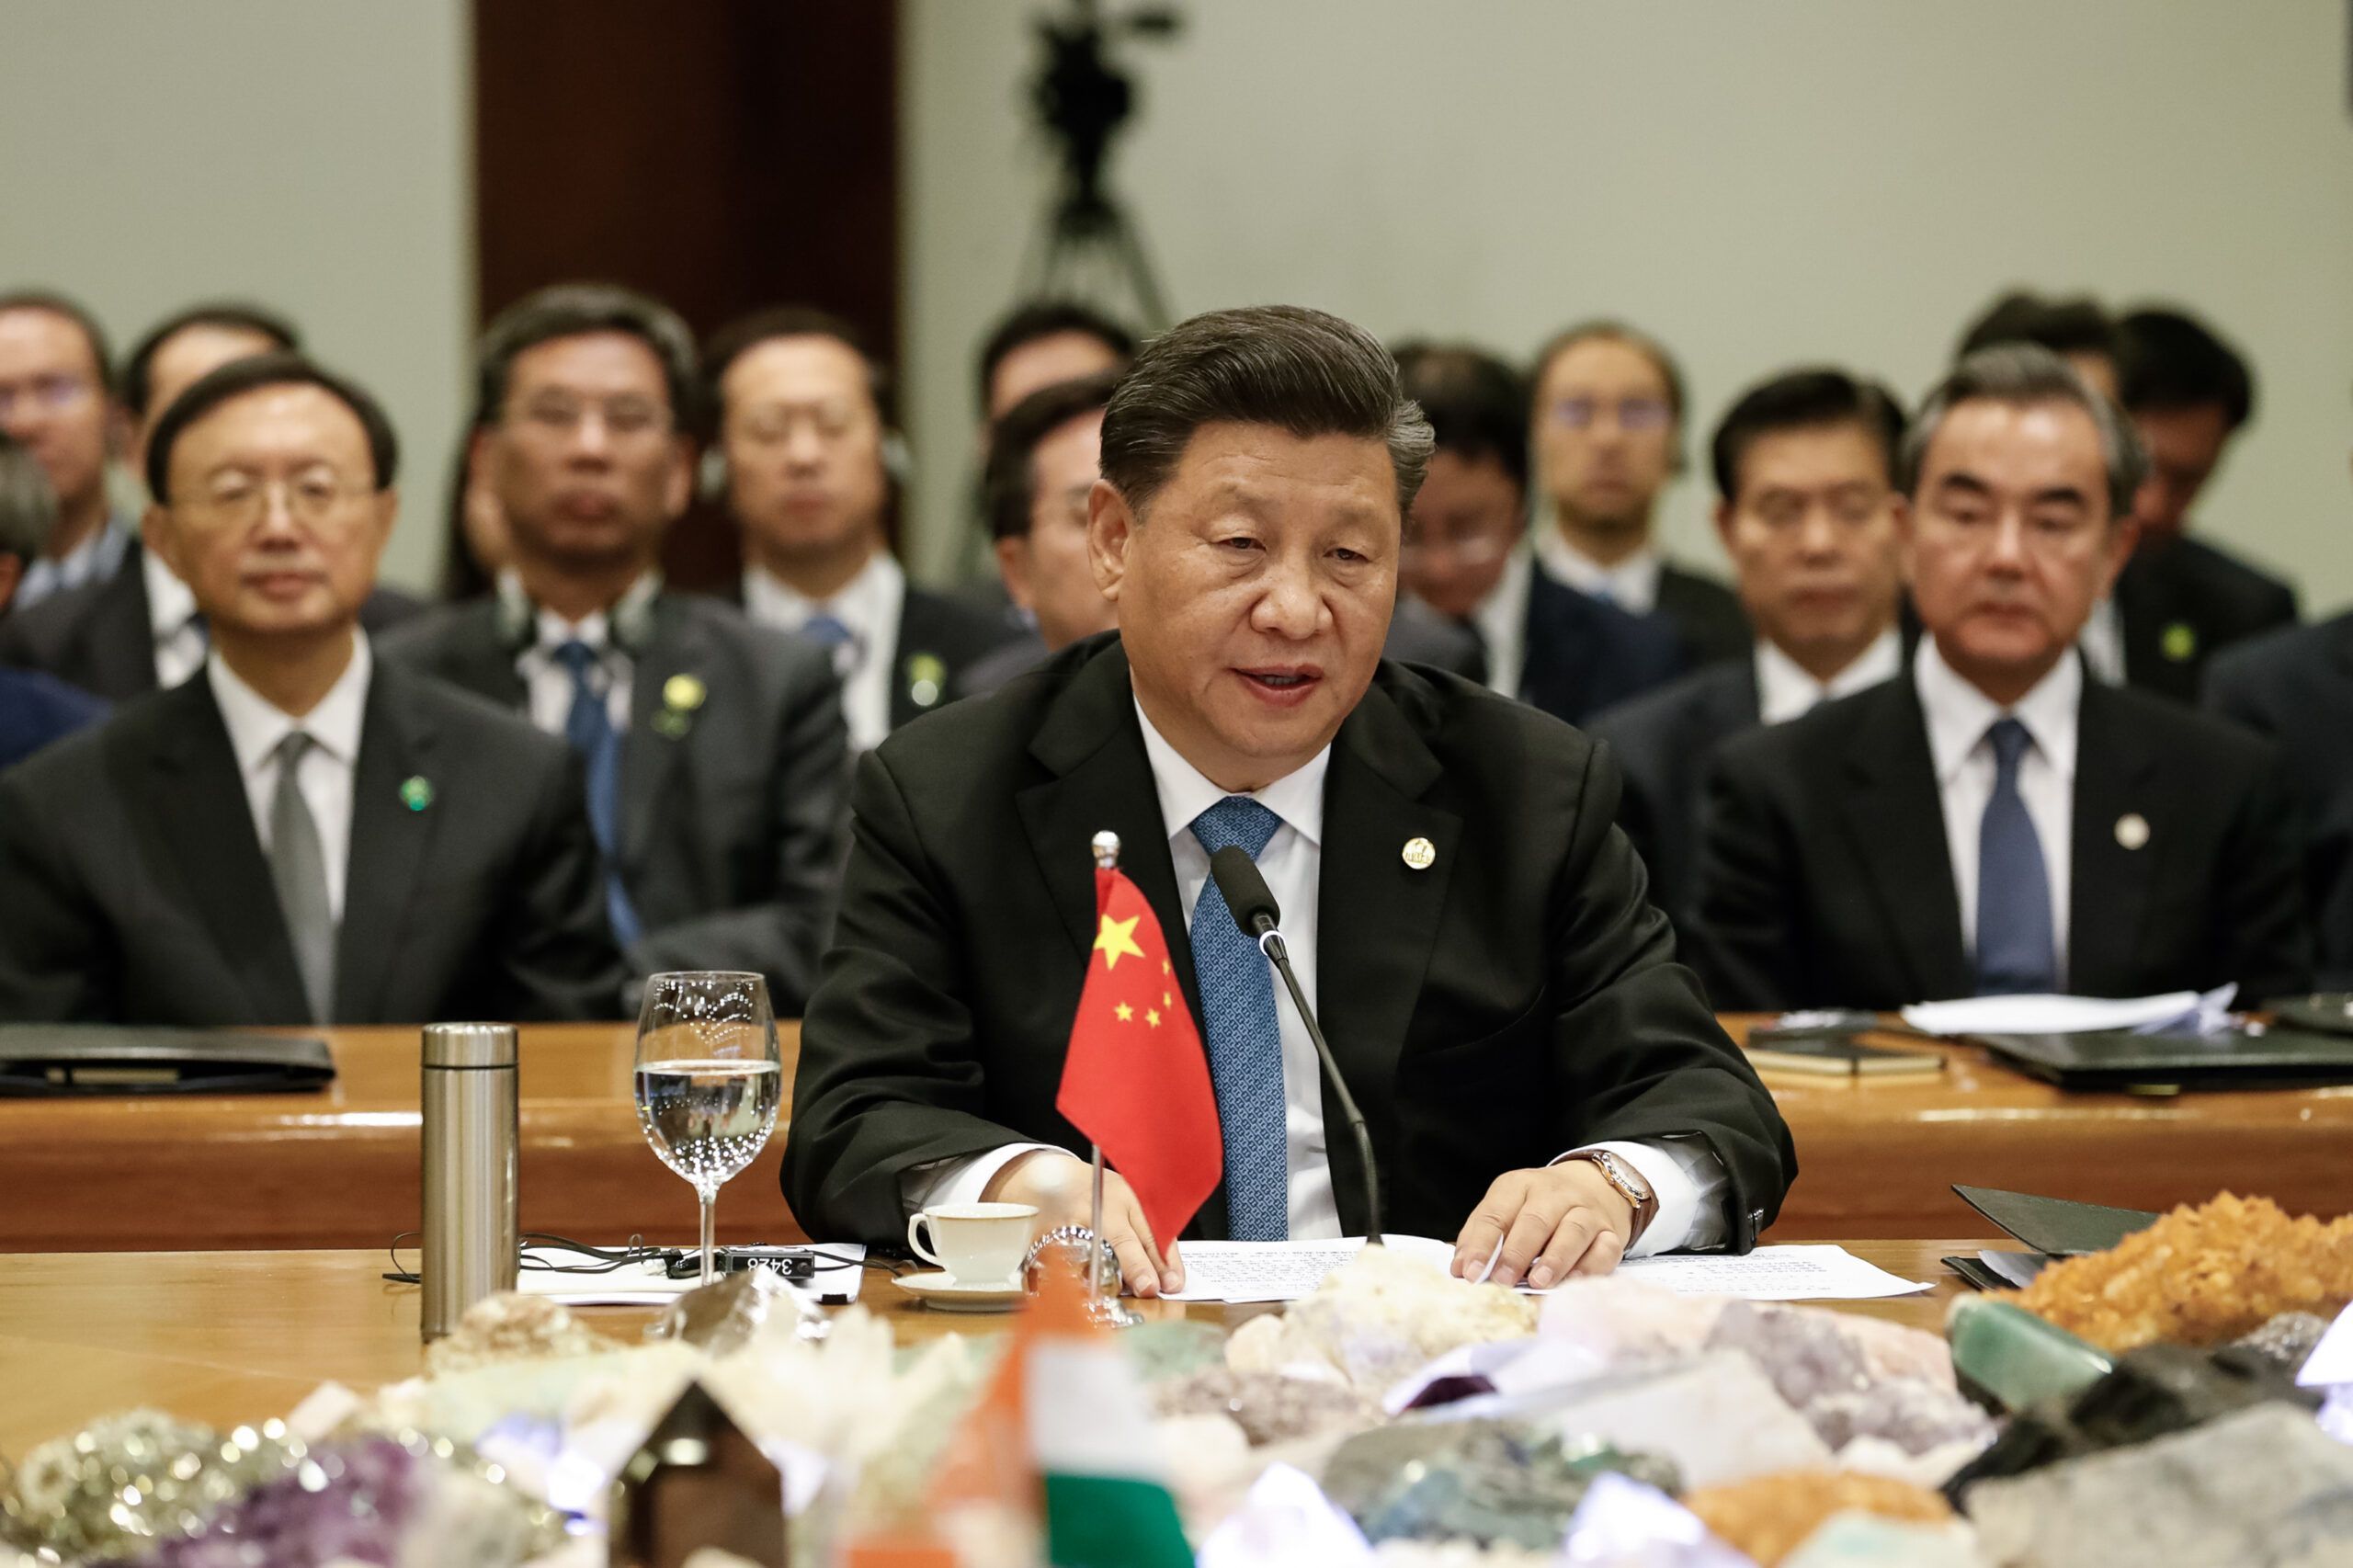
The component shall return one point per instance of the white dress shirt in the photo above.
(256, 727)
(1501, 621)
(2103, 642)
(95, 560)
(1631, 584)
(548, 681)
(180, 643)
(1785, 691)
(1959, 716)
(1685, 1177)
(870, 605)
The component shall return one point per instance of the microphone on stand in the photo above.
(1253, 905)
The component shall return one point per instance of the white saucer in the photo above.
(940, 1292)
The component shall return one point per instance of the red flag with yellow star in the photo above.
(1136, 1080)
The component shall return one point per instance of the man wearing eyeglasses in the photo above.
(1608, 430)
(1566, 653)
(57, 398)
(716, 760)
(301, 835)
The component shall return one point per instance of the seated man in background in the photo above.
(1537, 1074)
(2180, 598)
(715, 757)
(57, 398)
(301, 834)
(1994, 824)
(810, 469)
(1042, 343)
(1805, 467)
(138, 630)
(1607, 425)
(2078, 330)
(35, 708)
(1465, 558)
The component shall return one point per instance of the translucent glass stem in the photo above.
(710, 1196)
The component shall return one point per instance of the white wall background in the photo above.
(1758, 184)
(311, 154)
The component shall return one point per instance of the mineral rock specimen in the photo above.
(1718, 1418)
(1770, 1516)
(2012, 1359)
(2265, 1488)
(512, 1327)
(1378, 1320)
(1491, 1482)
(2287, 1341)
(1268, 1407)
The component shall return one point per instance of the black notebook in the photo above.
(2051, 1227)
(2121, 1059)
(60, 1059)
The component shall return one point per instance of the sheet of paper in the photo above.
(1269, 1271)
(1808, 1273)
(642, 1284)
(2052, 1015)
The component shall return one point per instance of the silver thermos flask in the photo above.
(471, 1138)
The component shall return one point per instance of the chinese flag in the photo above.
(1137, 1080)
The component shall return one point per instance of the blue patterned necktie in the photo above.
(2017, 952)
(1245, 1036)
(590, 728)
(833, 634)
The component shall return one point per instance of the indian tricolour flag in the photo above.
(1064, 1432)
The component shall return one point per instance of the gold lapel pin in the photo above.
(2133, 830)
(1420, 854)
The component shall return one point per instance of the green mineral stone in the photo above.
(2010, 1359)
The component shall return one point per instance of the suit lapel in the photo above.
(1377, 918)
(478, 657)
(197, 799)
(1897, 826)
(122, 638)
(2110, 882)
(390, 837)
(658, 733)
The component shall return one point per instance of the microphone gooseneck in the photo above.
(1255, 910)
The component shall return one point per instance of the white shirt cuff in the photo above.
(965, 1181)
(1690, 1184)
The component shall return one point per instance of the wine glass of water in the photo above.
(710, 1080)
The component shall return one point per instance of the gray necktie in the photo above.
(298, 865)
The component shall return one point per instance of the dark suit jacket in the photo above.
(1825, 880)
(1516, 999)
(1664, 743)
(2183, 601)
(36, 709)
(939, 636)
(1705, 614)
(1584, 654)
(733, 812)
(2295, 687)
(137, 891)
(98, 636)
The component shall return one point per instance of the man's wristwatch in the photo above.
(1631, 1186)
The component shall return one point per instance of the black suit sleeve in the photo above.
(57, 961)
(2261, 920)
(1638, 1052)
(1742, 940)
(557, 962)
(891, 1077)
(782, 937)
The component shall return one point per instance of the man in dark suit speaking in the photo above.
(1537, 1073)
(298, 834)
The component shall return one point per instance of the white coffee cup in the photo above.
(978, 1244)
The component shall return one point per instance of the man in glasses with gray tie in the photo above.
(298, 834)
(1990, 822)
(1544, 1086)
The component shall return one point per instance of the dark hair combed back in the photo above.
(743, 335)
(2063, 327)
(2027, 373)
(28, 505)
(1302, 371)
(1010, 485)
(137, 380)
(60, 305)
(1643, 342)
(1040, 319)
(1476, 404)
(239, 377)
(2171, 360)
(576, 310)
(1803, 399)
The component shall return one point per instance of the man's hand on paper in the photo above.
(1551, 1222)
(1062, 1190)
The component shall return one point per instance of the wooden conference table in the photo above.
(230, 1337)
(338, 1168)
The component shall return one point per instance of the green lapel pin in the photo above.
(2180, 641)
(927, 679)
(416, 793)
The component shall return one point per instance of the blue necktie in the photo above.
(1245, 1037)
(833, 634)
(590, 728)
(2017, 953)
